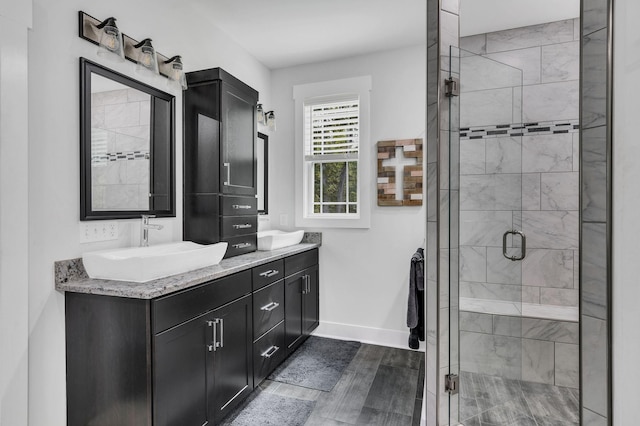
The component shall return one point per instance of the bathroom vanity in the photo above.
(186, 349)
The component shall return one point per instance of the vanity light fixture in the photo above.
(266, 118)
(111, 43)
(270, 118)
(174, 70)
(260, 118)
(146, 57)
(111, 40)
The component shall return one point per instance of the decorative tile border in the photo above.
(518, 129)
(412, 174)
(120, 156)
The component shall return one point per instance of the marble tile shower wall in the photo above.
(519, 151)
(120, 127)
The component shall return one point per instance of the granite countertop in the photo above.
(71, 276)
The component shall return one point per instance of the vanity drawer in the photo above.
(268, 352)
(238, 206)
(241, 245)
(268, 308)
(176, 308)
(267, 273)
(233, 226)
(298, 262)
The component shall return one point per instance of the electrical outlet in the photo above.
(91, 232)
(284, 220)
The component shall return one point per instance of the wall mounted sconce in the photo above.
(266, 118)
(119, 45)
(174, 70)
(110, 41)
(147, 60)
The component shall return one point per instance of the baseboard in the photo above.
(374, 336)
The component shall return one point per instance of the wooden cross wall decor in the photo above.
(400, 172)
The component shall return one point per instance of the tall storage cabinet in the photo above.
(220, 161)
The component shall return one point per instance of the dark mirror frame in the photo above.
(162, 147)
(264, 140)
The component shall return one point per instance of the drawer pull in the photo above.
(270, 273)
(241, 207)
(241, 245)
(270, 307)
(243, 226)
(269, 352)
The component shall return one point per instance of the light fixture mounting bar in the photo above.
(88, 30)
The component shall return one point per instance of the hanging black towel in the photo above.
(415, 308)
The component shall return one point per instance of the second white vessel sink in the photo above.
(271, 240)
(141, 264)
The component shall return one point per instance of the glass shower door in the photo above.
(486, 280)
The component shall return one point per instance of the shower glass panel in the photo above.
(486, 282)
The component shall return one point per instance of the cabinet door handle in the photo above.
(214, 345)
(270, 307)
(242, 245)
(305, 284)
(228, 166)
(221, 332)
(270, 352)
(241, 206)
(243, 226)
(308, 284)
(270, 273)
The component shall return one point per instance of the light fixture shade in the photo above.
(175, 72)
(147, 60)
(271, 120)
(260, 118)
(111, 44)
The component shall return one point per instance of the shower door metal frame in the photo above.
(442, 32)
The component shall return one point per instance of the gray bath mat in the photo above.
(267, 409)
(317, 364)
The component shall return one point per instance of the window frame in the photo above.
(327, 92)
(311, 159)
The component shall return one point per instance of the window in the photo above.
(331, 139)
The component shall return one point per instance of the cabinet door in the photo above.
(233, 356)
(238, 156)
(293, 298)
(180, 374)
(310, 307)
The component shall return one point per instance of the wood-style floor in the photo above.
(381, 386)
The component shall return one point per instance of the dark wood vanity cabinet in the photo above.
(193, 385)
(189, 357)
(181, 359)
(220, 161)
(301, 297)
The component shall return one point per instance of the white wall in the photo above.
(14, 267)
(54, 49)
(364, 273)
(626, 203)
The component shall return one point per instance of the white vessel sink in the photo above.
(271, 240)
(141, 264)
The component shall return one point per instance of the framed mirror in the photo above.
(127, 146)
(262, 172)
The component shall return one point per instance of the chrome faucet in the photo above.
(144, 234)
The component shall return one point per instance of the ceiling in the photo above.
(284, 33)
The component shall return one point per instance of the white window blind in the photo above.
(332, 130)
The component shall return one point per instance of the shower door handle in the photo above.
(523, 252)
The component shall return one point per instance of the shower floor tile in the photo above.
(495, 401)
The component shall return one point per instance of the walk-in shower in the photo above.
(513, 174)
